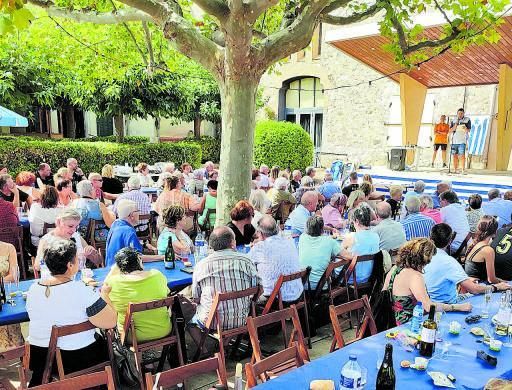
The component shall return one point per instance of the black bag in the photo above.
(125, 371)
(382, 309)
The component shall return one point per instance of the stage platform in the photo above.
(479, 182)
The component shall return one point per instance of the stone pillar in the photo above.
(502, 142)
(412, 100)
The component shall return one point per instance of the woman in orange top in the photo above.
(441, 139)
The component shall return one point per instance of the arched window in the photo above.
(301, 101)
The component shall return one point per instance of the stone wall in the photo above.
(355, 118)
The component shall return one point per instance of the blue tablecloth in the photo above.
(24, 222)
(149, 190)
(461, 362)
(15, 314)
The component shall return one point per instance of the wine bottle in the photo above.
(386, 376)
(170, 256)
(428, 334)
(3, 298)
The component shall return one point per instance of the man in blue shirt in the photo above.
(298, 217)
(498, 207)
(329, 188)
(441, 187)
(122, 233)
(443, 274)
(415, 224)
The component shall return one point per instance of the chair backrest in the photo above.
(144, 226)
(263, 368)
(174, 376)
(209, 214)
(280, 316)
(351, 271)
(14, 235)
(22, 354)
(85, 381)
(54, 351)
(91, 229)
(47, 227)
(213, 317)
(327, 277)
(365, 322)
(276, 292)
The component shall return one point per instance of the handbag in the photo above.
(382, 308)
(125, 371)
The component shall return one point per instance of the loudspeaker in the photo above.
(397, 159)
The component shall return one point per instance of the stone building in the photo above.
(329, 93)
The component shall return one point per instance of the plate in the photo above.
(494, 320)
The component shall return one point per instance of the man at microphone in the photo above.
(459, 129)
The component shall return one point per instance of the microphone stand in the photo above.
(450, 158)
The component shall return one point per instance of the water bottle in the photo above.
(44, 271)
(417, 318)
(351, 375)
(200, 248)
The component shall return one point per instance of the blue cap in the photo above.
(419, 304)
(352, 357)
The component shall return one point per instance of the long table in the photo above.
(15, 314)
(460, 360)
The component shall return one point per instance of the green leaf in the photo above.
(21, 18)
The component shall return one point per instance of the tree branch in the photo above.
(355, 17)
(217, 8)
(257, 7)
(149, 43)
(122, 15)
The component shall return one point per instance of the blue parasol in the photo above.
(11, 119)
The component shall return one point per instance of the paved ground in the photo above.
(321, 344)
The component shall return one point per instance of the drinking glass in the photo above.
(487, 302)
(10, 298)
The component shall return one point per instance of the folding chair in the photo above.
(290, 313)
(367, 321)
(54, 353)
(91, 237)
(144, 228)
(85, 381)
(300, 303)
(14, 236)
(174, 376)
(333, 281)
(22, 354)
(213, 325)
(368, 285)
(264, 368)
(139, 347)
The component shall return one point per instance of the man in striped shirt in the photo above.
(225, 270)
(415, 224)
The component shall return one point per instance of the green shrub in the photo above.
(282, 144)
(210, 147)
(21, 154)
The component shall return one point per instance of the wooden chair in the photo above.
(280, 316)
(22, 355)
(91, 230)
(14, 235)
(54, 353)
(264, 369)
(335, 288)
(351, 273)
(213, 326)
(174, 376)
(366, 322)
(138, 347)
(85, 381)
(300, 303)
(47, 227)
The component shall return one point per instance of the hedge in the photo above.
(21, 154)
(282, 144)
(210, 147)
(128, 139)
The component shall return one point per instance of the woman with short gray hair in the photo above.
(316, 250)
(427, 208)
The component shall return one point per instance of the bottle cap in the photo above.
(419, 304)
(352, 357)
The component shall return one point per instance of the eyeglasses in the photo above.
(97, 179)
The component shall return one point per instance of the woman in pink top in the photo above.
(333, 212)
(427, 208)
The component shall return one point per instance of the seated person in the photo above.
(474, 212)
(316, 250)
(43, 212)
(8, 214)
(329, 188)
(174, 224)
(395, 199)
(299, 216)
(241, 217)
(209, 202)
(66, 224)
(480, 256)
(333, 212)
(454, 214)
(280, 193)
(363, 242)
(428, 210)
(10, 193)
(502, 246)
(91, 208)
(443, 275)
(275, 255)
(127, 283)
(391, 233)
(225, 270)
(406, 283)
(415, 224)
(122, 233)
(60, 300)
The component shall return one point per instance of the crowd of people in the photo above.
(434, 248)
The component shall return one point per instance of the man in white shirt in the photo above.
(299, 216)
(454, 215)
(274, 256)
(391, 233)
(498, 207)
(264, 182)
(459, 129)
